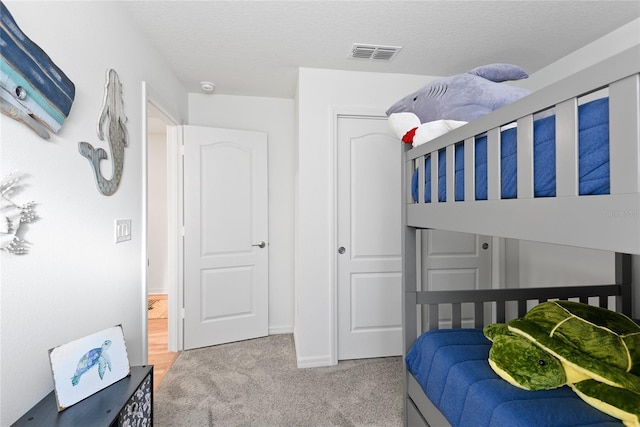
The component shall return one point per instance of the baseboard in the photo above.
(314, 362)
(279, 330)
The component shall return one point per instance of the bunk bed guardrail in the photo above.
(621, 291)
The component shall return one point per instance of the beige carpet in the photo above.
(257, 383)
(157, 308)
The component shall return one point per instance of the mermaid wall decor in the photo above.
(111, 124)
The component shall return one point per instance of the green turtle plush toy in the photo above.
(593, 350)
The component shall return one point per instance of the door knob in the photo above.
(341, 250)
(485, 246)
(261, 245)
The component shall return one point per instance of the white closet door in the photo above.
(368, 236)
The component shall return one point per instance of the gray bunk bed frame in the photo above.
(607, 222)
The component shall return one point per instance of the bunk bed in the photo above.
(445, 187)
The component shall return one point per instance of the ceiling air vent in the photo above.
(374, 52)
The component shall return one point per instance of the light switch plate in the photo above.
(123, 230)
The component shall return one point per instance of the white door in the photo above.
(455, 261)
(369, 266)
(226, 235)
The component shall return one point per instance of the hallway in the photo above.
(159, 356)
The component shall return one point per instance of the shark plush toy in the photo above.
(455, 100)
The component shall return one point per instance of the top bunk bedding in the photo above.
(593, 159)
(548, 167)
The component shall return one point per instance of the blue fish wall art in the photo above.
(33, 90)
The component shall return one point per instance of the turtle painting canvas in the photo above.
(593, 350)
(85, 366)
(95, 356)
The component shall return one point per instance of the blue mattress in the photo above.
(451, 367)
(593, 163)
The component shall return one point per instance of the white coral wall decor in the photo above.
(13, 216)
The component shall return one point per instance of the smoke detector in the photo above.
(373, 52)
(207, 87)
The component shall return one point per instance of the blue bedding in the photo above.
(593, 163)
(451, 367)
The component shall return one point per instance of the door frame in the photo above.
(336, 114)
(174, 206)
(175, 237)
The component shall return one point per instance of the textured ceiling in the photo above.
(255, 47)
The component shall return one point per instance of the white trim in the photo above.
(175, 237)
(143, 244)
(314, 362)
(279, 330)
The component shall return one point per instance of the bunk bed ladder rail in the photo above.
(624, 279)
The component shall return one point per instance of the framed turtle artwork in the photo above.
(87, 365)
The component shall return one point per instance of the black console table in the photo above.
(130, 399)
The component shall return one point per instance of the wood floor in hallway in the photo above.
(159, 355)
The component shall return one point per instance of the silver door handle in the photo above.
(341, 250)
(261, 245)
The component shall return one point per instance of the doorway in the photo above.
(159, 293)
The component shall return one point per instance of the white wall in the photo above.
(543, 264)
(552, 265)
(158, 279)
(276, 117)
(76, 280)
(611, 44)
(320, 94)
